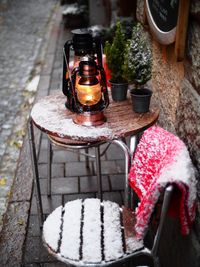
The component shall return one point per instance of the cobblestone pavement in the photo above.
(23, 27)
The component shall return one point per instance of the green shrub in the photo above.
(138, 59)
(115, 55)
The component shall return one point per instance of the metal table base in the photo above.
(34, 159)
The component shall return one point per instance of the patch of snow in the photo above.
(181, 170)
(92, 231)
(113, 247)
(73, 9)
(51, 228)
(133, 244)
(50, 114)
(70, 238)
(70, 243)
(33, 84)
(96, 28)
(70, 9)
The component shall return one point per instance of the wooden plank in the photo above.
(70, 243)
(113, 245)
(129, 220)
(181, 29)
(51, 229)
(91, 247)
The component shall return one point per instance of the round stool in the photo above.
(91, 233)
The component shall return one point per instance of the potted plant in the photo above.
(138, 67)
(115, 60)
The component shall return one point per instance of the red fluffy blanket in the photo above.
(162, 158)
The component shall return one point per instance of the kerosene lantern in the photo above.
(82, 44)
(88, 91)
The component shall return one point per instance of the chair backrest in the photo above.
(127, 192)
(161, 162)
(104, 226)
(165, 207)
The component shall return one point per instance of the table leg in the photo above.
(124, 140)
(34, 163)
(98, 168)
(134, 140)
(87, 158)
(49, 163)
(127, 189)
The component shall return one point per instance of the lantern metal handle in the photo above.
(66, 48)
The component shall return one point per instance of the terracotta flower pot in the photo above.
(141, 99)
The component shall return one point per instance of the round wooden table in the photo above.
(51, 116)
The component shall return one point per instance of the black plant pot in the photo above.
(119, 91)
(141, 99)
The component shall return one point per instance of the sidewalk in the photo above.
(71, 179)
(23, 33)
(20, 243)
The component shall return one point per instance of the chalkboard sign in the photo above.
(162, 16)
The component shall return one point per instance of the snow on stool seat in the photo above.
(90, 232)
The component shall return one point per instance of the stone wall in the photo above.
(176, 87)
(188, 123)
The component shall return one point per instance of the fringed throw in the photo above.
(160, 159)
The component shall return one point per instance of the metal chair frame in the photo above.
(70, 147)
(150, 254)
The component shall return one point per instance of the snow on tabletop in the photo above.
(113, 247)
(70, 243)
(51, 228)
(92, 231)
(50, 114)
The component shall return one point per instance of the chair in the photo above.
(94, 233)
